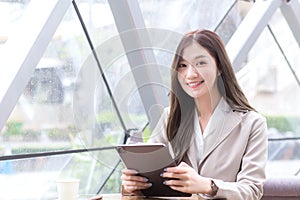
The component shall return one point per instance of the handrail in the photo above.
(284, 138)
(52, 153)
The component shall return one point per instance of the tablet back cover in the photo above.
(150, 160)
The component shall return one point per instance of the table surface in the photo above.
(120, 197)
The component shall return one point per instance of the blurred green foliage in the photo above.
(283, 123)
(106, 117)
(14, 128)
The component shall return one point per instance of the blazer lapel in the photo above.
(196, 140)
(230, 120)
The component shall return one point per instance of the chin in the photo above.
(195, 96)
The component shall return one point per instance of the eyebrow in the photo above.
(195, 58)
(200, 56)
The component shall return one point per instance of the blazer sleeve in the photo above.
(250, 179)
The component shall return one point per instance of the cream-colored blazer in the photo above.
(234, 157)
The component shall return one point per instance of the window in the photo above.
(73, 92)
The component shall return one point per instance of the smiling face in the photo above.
(197, 72)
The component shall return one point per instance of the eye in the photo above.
(200, 63)
(181, 65)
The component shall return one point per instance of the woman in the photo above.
(218, 139)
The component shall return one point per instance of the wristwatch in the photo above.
(214, 188)
(214, 191)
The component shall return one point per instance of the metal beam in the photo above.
(249, 30)
(291, 12)
(22, 52)
(135, 39)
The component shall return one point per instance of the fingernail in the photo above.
(149, 184)
(161, 175)
(146, 180)
(165, 169)
(164, 182)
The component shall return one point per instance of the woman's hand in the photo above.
(132, 182)
(187, 179)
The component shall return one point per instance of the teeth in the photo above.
(195, 83)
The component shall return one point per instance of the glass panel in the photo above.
(11, 12)
(182, 16)
(125, 92)
(98, 20)
(64, 85)
(227, 26)
(95, 116)
(63, 107)
(116, 71)
(67, 105)
(35, 178)
(42, 120)
(273, 90)
(163, 26)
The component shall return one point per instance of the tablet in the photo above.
(150, 160)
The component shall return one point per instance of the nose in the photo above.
(191, 72)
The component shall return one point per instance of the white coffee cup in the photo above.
(67, 188)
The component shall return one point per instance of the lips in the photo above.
(195, 84)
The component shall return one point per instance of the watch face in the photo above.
(214, 188)
(214, 191)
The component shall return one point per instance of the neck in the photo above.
(207, 104)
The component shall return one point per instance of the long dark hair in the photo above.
(180, 127)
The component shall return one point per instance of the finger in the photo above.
(176, 170)
(125, 177)
(133, 189)
(132, 186)
(136, 184)
(170, 175)
(176, 182)
(130, 171)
